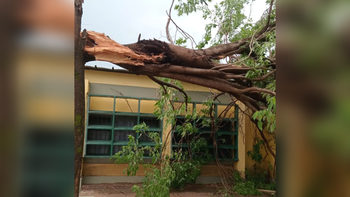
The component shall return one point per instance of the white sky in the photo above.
(123, 21)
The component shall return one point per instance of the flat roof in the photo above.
(107, 69)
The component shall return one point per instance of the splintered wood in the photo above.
(105, 49)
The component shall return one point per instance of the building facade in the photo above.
(117, 100)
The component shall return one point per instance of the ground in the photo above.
(124, 189)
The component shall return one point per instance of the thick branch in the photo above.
(217, 83)
(157, 58)
(154, 51)
(162, 83)
(224, 87)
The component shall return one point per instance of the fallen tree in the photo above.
(249, 74)
(202, 67)
(161, 59)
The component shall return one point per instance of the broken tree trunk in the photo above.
(161, 59)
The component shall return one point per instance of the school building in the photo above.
(116, 100)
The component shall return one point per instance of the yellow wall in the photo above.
(117, 170)
(119, 79)
(251, 133)
(148, 107)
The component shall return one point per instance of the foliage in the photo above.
(157, 181)
(267, 115)
(241, 186)
(226, 23)
(246, 188)
(237, 177)
(185, 172)
(255, 153)
(256, 178)
(228, 20)
(181, 41)
(253, 180)
(258, 175)
(171, 171)
(189, 6)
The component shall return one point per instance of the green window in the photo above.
(107, 130)
(226, 138)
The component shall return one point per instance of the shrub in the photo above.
(246, 188)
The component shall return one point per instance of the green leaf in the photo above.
(272, 127)
(260, 125)
(255, 115)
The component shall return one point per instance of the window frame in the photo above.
(114, 128)
(231, 133)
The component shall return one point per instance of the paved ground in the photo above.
(124, 189)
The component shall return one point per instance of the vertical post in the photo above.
(113, 120)
(216, 133)
(166, 136)
(87, 107)
(236, 132)
(161, 133)
(79, 94)
(138, 117)
(240, 164)
(87, 120)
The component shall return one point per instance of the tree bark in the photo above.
(157, 58)
(79, 95)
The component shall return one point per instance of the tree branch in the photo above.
(263, 77)
(162, 83)
(268, 19)
(167, 24)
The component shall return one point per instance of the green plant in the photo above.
(185, 172)
(241, 186)
(173, 171)
(246, 188)
(255, 153)
(257, 174)
(266, 119)
(259, 177)
(158, 181)
(267, 186)
(237, 177)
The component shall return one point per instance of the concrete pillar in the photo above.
(87, 86)
(166, 139)
(240, 165)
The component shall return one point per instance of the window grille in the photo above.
(107, 131)
(226, 137)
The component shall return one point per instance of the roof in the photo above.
(107, 69)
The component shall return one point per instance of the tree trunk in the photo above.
(157, 58)
(79, 95)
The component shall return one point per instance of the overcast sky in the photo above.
(123, 21)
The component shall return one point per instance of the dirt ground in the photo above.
(124, 189)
